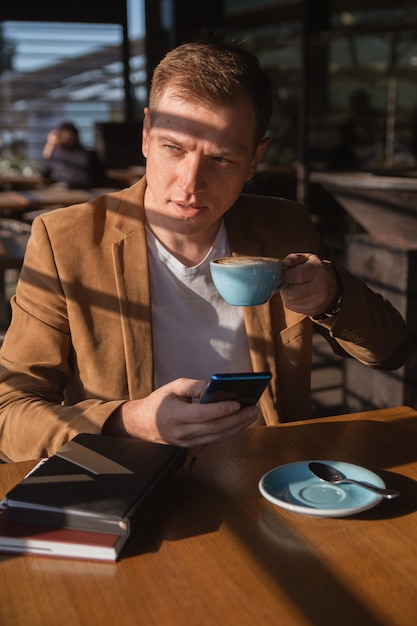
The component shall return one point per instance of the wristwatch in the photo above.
(332, 311)
(336, 305)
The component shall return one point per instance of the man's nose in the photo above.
(191, 177)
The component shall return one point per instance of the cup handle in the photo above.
(280, 287)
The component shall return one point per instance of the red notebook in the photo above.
(59, 542)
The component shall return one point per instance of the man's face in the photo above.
(198, 159)
(67, 138)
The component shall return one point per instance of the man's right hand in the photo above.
(52, 141)
(173, 414)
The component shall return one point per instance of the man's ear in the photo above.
(145, 131)
(259, 152)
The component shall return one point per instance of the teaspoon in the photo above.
(332, 475)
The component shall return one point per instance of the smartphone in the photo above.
(246, 387)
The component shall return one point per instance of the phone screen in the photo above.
(246, 387)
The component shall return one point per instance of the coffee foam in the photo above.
(244, 261)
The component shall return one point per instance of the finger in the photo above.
(186, 389)
(215, 418)
(221, 429)
(210, 412)
(294, 259)
(308, 269)
(180, 422)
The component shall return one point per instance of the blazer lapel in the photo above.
(130, 260)
(258, 319)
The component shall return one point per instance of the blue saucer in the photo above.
(295, 487)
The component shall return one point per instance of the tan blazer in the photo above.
(80, 341)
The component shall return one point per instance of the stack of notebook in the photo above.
(85, 501)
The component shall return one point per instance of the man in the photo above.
(67, 161)
(116, 323)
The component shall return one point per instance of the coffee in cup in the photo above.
(246, 280)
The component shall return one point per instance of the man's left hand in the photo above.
(312, 284)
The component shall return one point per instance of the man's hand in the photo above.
(172, 414)
(312, 285)
(52, 141)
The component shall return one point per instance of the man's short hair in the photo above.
(215, 73)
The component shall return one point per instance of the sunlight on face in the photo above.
(198, 159)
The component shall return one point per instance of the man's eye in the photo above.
(172, 148)
(222, 160)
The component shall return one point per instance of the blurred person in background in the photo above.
(68, 162)
(357, 148)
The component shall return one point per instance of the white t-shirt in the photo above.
(195, 332)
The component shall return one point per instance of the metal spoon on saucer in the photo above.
(332, 475)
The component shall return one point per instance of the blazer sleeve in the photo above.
(36, 364)
(367, 326)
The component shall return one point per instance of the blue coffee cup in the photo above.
(246, 280)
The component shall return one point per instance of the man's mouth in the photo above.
(188, 210)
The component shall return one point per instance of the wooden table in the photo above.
(217, 553)
(19, 202)
(126, 176)
(18, 180)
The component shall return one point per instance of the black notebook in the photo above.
(96, 483)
